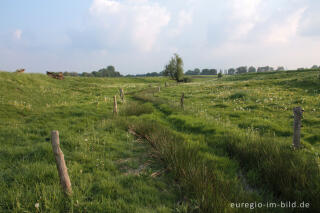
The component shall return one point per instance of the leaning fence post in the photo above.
(182, 100)
(115, 107)
(297, 111)
(61, 164)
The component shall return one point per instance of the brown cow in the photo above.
(20, 70)
(56, 75)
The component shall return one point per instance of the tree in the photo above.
(197, 71)
(175, 68)
(231, 71)
(314, 67)
(220, 75)
(209, 72)
(280, 68)
(265, 69)
(213, 72)
(252, 69)
(106, 72)
(242, 69)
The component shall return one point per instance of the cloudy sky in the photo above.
(139, 36)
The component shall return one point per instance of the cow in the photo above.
(20, 70)
(56, 75)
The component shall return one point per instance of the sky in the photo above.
(140, 36)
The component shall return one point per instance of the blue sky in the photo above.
(139, 36)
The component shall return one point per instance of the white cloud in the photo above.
(310, 22)
(184, 18)
(245, 14)
(139, 21)
(99, 7)
(284, 31)
(17, 34)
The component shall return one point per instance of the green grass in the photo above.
(108, 169)
(230, 143)
(251, 122)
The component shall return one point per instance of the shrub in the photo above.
(187, 79)
(238, 95)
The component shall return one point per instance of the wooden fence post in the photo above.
(297, 111)
(115, 107)
(182, 100)
(121, 94)
(61, 164)
(165, 84)
(159, 89)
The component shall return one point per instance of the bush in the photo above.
(187, 79)
(238, 95)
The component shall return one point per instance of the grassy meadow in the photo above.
(230, 143)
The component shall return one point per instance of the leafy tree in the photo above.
(209, 72)
(175, 68)
(314, 67)
(197, 71)
(153, 74)
(252, 69)
(220, 75)
(280, 68)
(213, 72)
(111, 68)
(265, 69)
(190, 72)
(231, 71)
(193, 72)
(242, 69)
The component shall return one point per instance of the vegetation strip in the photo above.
(269, 163)
(201, 180)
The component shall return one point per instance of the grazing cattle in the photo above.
(56, 75)
(20, 70)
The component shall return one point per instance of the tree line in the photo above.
(174, 69)
(110, 71)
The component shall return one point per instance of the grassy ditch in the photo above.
(269, 163)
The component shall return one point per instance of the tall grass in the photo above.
(268, 161)
(290, 174)
(198, 176)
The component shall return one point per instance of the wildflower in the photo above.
(37, 205)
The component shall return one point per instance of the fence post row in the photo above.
(61, 164)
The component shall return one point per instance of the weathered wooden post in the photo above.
(61, 164)
(115, 107)
(182, 100)
(297, 111)
(121, 94)
(165, 84)
(159, 89)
